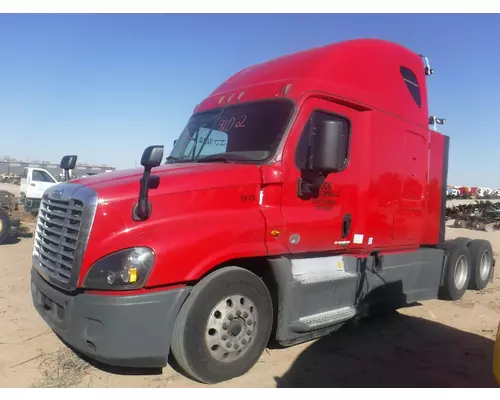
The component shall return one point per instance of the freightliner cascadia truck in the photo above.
(304, 192)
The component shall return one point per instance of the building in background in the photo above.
(17, 168)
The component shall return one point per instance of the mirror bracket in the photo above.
(308, 185)
(136, 214)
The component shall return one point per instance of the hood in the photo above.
(174, 178)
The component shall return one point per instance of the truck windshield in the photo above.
(243, 132)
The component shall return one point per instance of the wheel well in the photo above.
(261, 267)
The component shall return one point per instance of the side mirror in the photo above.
(329, 147)
(68, 162)
(326, 154)
(152, 157)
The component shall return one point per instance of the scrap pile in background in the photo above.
(478, 216)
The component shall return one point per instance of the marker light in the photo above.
(123, 270)
(132, 272)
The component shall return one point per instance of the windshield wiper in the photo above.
(177, 160)
(172, 160)
(224, 157)
(215, 159)
(209, 133)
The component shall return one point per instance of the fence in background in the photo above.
(17, 167)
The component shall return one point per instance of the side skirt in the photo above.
(317, 295)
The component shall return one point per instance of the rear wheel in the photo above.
(224, 326)
(457, 271)
(481, 262)
(4, 225)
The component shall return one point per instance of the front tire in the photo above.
(224, 326)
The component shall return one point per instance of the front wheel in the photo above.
(224, 326)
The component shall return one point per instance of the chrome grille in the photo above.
(64, 221)
(57, 235)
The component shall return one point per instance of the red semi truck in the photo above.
(303, 192)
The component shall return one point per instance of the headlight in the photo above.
(124, 270)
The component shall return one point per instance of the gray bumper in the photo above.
(128, 331)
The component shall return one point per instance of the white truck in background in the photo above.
(34, 183)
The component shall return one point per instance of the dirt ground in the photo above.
(16, 189)
(437, 343)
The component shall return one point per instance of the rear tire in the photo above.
(457, 271)
(481, 263)
(224, 326)
(4, 226)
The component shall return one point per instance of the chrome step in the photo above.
(323, 319)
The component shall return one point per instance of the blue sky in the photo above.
(106, 86)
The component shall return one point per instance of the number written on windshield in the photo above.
(225, 125)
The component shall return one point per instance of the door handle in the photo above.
(32, 184)
(346, 225)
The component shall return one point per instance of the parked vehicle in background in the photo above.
(34, 183)
(10, 178)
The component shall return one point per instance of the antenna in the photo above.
(428, 69)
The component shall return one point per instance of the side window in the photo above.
(41, 176)
(316, 120)
(411, 82)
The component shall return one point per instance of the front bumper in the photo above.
(31, 205)
(127, 331)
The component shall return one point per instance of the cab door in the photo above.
(329, 221)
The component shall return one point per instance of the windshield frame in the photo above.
(279, 147)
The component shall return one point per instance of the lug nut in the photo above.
(249, 322)
(245, 315)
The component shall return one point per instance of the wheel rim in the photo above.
(461, 268)
(231, 328)
(485, 265)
